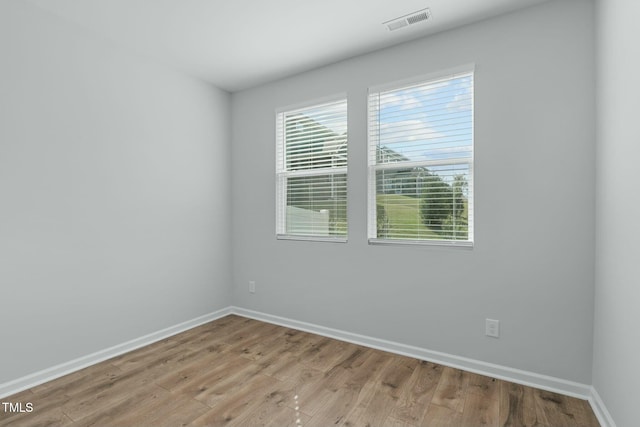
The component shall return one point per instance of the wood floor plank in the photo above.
(286, 418)
(307, 384)
(148, 405)
(357, 412)
(277, 402)
(483, 385)
(237, 371)
(518, 407)
(366, 381)
(264, 346)
(333, 407)
(232, 405)
(178, 410)
(313, 355)
(338, 376)
(77, 382)
(327, 356)
(583, 412)
(288, 369)
(198, 354)
(280, 417)
(245, 331)
(368, 371)
(204, 362)
(205, 340)
(104, 394)
(482, 401)
(393, 379)
(213, 393)
(281, 360)
(120, 412)
(451, 390)
(441, 416)
(192, 382)
(244, 342)
(154, 359)
(481, 410)
(130, 358)
(391, 421)
(52, 417)
(311, 403)
(563, 410)
(415, 399)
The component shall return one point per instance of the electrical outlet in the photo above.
(492, 328)
(252, 286)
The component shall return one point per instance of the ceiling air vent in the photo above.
(407, 20)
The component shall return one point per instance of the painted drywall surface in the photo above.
(616, 371)
(532, 264)
(114, 190)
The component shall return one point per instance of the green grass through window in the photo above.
(404, 221)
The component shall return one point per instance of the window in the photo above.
(421, 161)
(311, 168)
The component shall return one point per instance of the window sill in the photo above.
(312, 238)
(446, 243)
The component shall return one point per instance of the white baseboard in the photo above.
(32, 380)
(599, 408)
(557, 385)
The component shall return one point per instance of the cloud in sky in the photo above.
(462, 101)
(332, 116)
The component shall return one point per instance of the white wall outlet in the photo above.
(252, 286)
(492, 328)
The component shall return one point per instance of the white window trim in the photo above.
(281, 202)
(372, 167)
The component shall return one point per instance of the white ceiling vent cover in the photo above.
(407, 20)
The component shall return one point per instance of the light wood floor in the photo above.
(241, 372)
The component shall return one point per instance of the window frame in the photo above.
(373, 166)
(282, 174)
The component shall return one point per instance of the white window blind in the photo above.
(421, 161)
(311, 169)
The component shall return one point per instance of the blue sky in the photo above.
(423, 122)
(429, 122)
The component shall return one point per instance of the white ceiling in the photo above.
(236, 44)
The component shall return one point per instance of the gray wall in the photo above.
(616, 371)
(532, 265)
(114, 191)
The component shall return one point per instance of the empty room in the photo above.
(314, 213)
